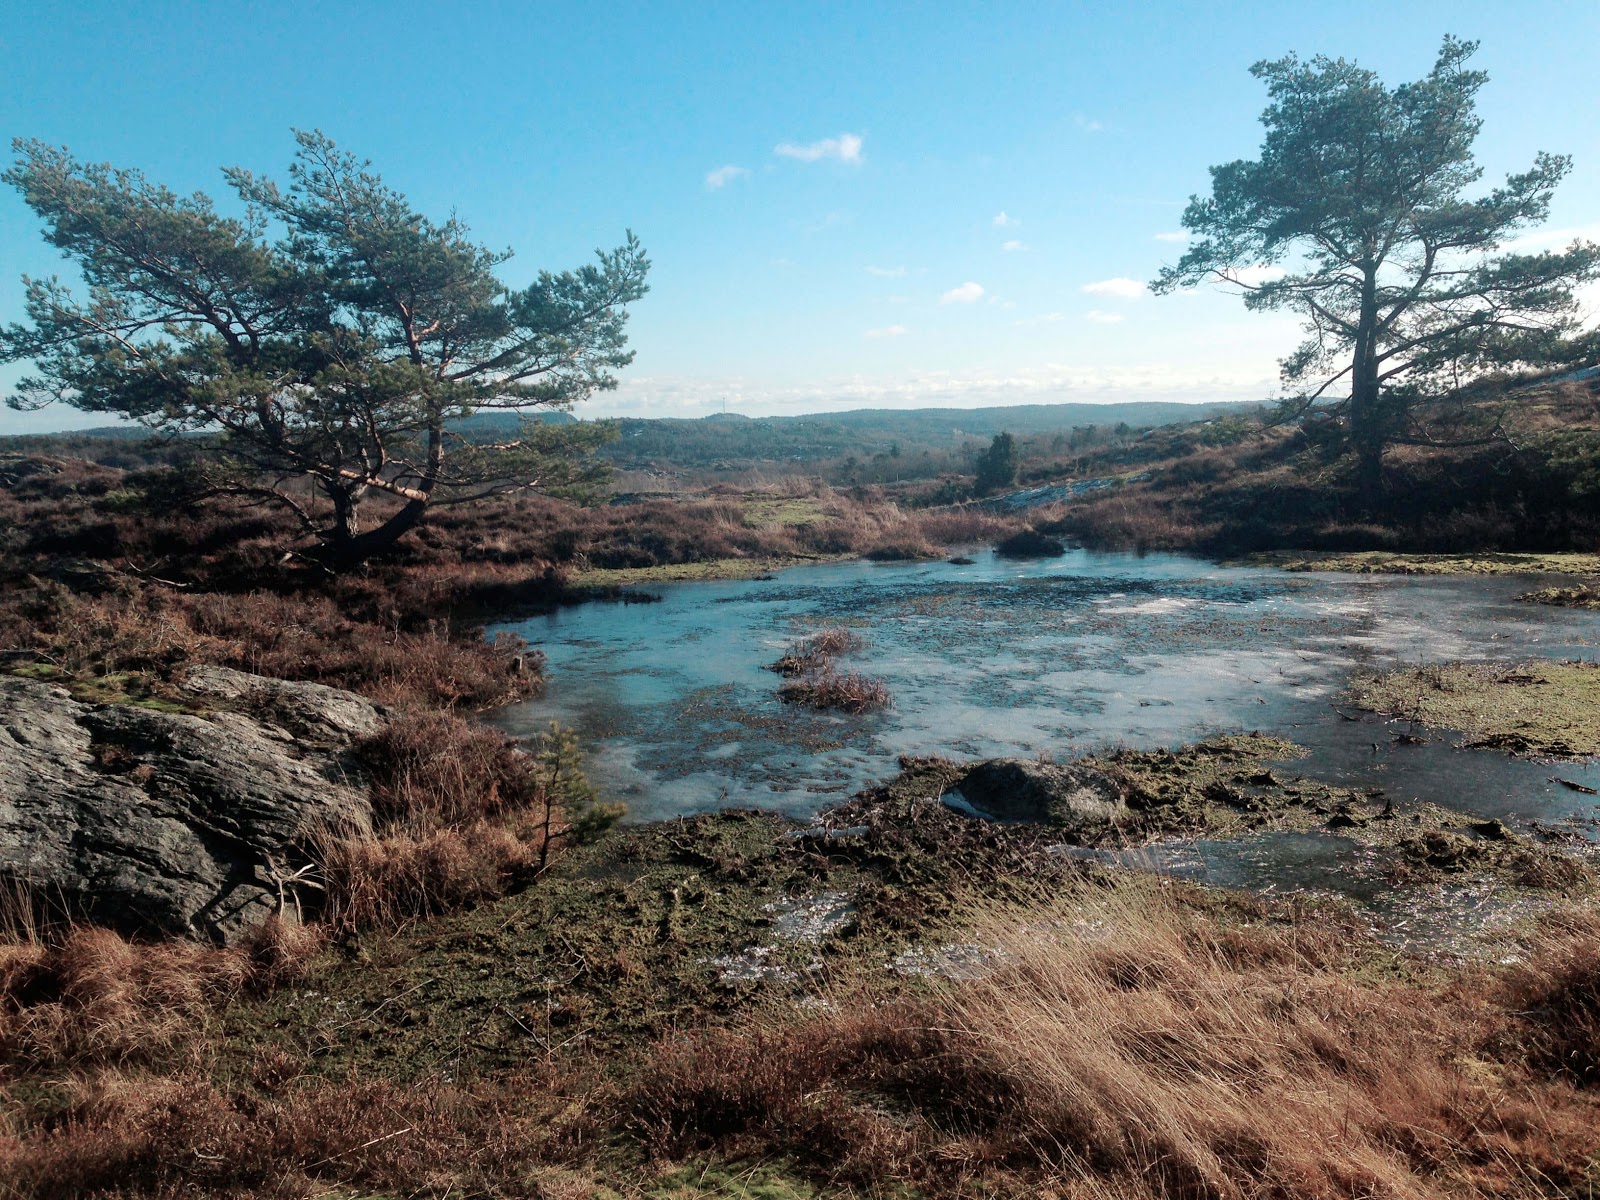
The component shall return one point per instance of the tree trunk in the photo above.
(346, 515)
(1366, 418)
(349, 546)
(342, 553)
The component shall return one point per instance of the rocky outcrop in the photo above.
(1083, 801)
(183, 823)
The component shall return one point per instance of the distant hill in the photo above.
(734, 440)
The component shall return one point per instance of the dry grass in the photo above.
(1123, 1045)
(1557, 995)
(436, 768)
(82, 995)
(387, 879)
(847, 691)
(814, 680)
(1136, 1051)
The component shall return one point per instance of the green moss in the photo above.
(718, 568)
(613, 947)
(1585, 595)
(129, 687)
(1537, 709)
(1380, 562)
(789, 512)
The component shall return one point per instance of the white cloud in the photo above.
(1087, 124)
(1012, 246)
(1120, 288)
(888, 331)
(1552, 239)
(1102, 318)
(967, 293)
(846, 148)
(1256, 276)
(1177, 235)
(723, 176)
(1003, 221)
(887, 272)
(1048, 318)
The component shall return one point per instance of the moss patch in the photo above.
(1381, 562)
(788, 512)
(1585, 595)
(718, 568)
(129, 687)
(1537, 709)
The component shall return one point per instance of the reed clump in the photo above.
(816, 651)
(847, 691)
(814, 680)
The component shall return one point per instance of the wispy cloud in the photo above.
(832, 220)
(967, 293)
(888, 331)
(1004, 221)
(887, 272)
(1552, 239)
(723, 176)
(1087, 124)
(846, 148)
(1177, 235)
(1120, 288)
(1013, 246)
(1049, 318)
(1102, 318)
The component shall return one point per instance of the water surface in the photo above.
(1060, 656)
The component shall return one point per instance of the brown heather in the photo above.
(1126, 1048)
(848, 691)
(1141, 1053)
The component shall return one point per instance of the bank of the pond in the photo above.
(704, 570)
(686, 999)
(1533, 708)
(1385, 562)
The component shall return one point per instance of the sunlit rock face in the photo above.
(184, 823)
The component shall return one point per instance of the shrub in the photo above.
(815, 652)
(827, 688)
(1030, 543)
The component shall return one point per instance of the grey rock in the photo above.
(1081, 800)
(176, 823)
(308, 711)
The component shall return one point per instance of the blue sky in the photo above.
(917, 204)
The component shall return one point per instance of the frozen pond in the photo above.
(1061, 656)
